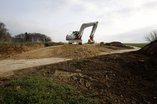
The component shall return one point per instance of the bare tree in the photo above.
(4, 34)
(151, 37)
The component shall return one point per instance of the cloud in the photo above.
(57, 17)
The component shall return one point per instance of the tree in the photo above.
(152, 36)
(31, 37)
(4, 34)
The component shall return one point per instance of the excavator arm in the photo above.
(85, 25)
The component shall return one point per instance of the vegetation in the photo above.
(4, 34)
(136, 44)
(23, 37)
(152, 36)
(40, 90)
(31, 37)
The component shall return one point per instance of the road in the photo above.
(120, 51)
(9, 65)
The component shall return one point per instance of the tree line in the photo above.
(5, 36)
(31, 37)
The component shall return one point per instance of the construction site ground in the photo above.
(55, 54)
(72, 51)
(128, 78)
(121, 78)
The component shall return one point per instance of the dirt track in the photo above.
(72, 51)
(54, 54)
(9, 65)
(120, 51)
(63, 51)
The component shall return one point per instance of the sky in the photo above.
(119, 20)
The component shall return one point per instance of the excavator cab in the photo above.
(74, 37)
(76, 34)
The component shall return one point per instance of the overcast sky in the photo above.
(119, 20)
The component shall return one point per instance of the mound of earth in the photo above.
(150, 49)
(9, 49)
(118, 44)
(66, 51)
(115, 45)
(128, 78)
(53, 44)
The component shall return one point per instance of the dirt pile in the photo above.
(118, 44)
(67, 51)
(128, 78)
(150, 49)
(115, 45)
(53, 44)
(9, 49)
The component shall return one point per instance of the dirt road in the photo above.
(120, 51)
(9, 65)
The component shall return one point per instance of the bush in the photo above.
(151, 37)
(47, 44)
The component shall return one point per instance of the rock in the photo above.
(78, 70)
(81, 81)
(87, 84)
(133, 102)
(107, 77)
(90, 78)
(81, 75)
(18, 87)
(141, 60)
(74, 77)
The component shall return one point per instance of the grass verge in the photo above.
(40, 90)
(136, 44)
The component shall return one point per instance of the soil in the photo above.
(128, 78)
(115, 45)
(9, 65)
(65, 51)
(7, 50)
(72, 51)
(55, 49)
(150, 49)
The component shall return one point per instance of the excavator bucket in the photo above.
(90, 41)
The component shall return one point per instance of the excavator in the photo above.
(76, 36)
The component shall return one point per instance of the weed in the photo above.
(40, 90)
